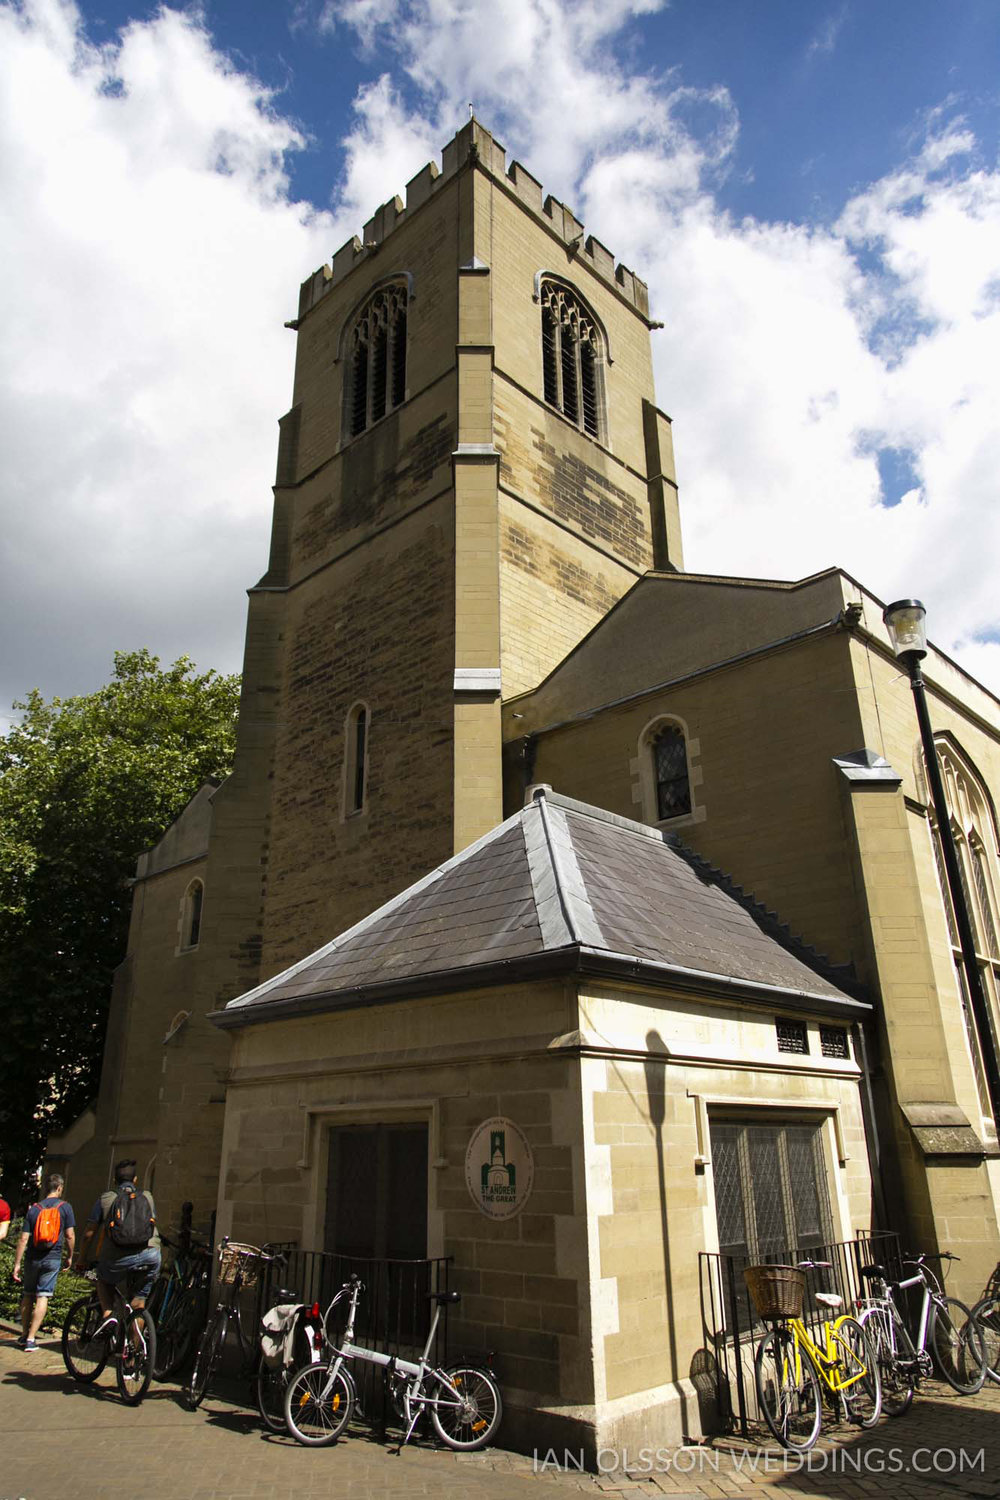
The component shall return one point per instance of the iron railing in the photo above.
(732, 1329)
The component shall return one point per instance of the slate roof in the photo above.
(558, 885)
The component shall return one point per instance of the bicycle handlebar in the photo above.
(814, 1265)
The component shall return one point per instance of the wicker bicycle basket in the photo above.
(777, 1291)
(230, 1257)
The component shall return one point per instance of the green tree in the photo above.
(86, 784)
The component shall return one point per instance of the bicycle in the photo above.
(239, 1268)
(130, 1341)
(462, 1400)
(897, 1358)
(790, 1365)
(955, 1348)
(986, 1312)
(179, 1302)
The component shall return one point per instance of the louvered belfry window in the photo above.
(376, 358)
(572, 357)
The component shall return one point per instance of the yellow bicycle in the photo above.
(790, 1364)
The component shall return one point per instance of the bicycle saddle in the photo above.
(830, 1299)
(879, 1271)
(441, 1297)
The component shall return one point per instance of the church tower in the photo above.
(471, 473)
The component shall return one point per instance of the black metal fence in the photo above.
(733, 1330)
(394, 1311)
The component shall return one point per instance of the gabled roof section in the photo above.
(559, 887)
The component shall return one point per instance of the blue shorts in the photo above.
(38, 1277)
(138, 1266)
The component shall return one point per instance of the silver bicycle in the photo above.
(948, 1338)
(462, 1400)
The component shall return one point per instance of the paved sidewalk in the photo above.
(59, 1439)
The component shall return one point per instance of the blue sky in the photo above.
(811, 190)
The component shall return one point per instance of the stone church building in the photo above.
(565, 912)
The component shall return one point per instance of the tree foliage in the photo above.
(86, 784)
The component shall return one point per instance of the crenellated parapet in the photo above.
(474, 143)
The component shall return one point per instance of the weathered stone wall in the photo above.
(375, 628)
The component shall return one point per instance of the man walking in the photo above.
(48, 1230)
(129, 1245)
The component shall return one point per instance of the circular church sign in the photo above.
(499, 1168)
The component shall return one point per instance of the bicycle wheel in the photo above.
(884, 1329)
(987, 1315)
(161, 1295)
(175, 1335)
(857, 1363)
(318, 1404)
(84, 1355)
(136, 1356)
(208, 1356)
(269, 1388)
(791, 1404)
(957, 1346)
(466, 1411)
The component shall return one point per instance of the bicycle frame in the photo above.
(826, 1360)
(417, 1371)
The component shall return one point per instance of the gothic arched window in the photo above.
(355, 759)
(375, 356)
(573, 357)
(974, 834)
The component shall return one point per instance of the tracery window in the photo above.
(376, 358)
(572, 358)
(975, 845)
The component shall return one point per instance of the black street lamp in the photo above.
(905, 623)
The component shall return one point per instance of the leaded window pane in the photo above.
(985, 900)
(673, 792)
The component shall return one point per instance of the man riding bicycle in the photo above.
(128, 1246)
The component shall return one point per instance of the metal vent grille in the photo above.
(792, 1035)
(833, 1041)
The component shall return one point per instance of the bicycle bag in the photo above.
(277, 1333)
(48, 1226)
(130, 1219)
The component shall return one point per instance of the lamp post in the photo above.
(905, 623)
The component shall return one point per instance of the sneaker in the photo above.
(22, 1341)
(30, 1347)
(105, 1327)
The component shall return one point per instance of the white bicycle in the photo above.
(462, 1400)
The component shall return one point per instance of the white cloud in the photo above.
(151, 254)
(150, 258)
(791, 353)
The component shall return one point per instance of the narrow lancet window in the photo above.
(673, 790)
(356, 760)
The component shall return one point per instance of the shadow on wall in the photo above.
(655, 1069)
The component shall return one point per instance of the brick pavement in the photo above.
(59, 1439)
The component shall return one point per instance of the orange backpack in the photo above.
(48, 1225)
